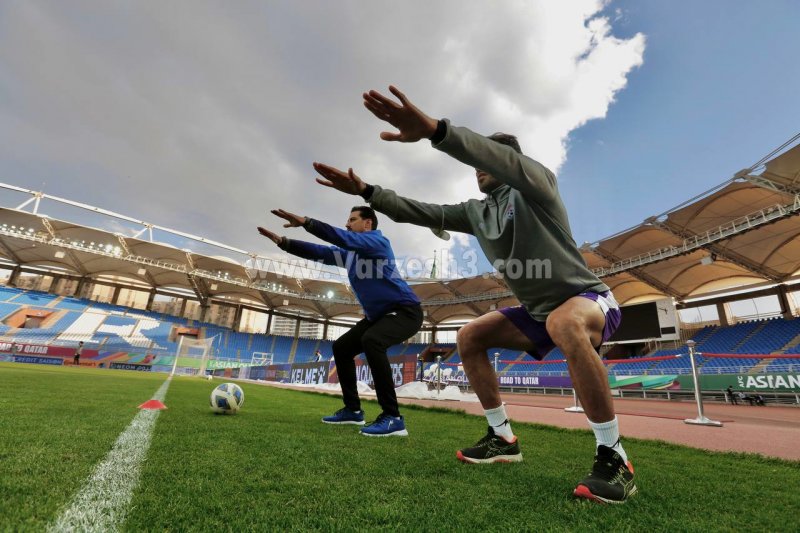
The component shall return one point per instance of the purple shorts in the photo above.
(537, 332)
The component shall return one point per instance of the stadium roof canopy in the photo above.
(743, 233)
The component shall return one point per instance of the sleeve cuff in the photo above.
(441, 131)
(367, 193)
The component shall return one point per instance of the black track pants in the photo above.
(373, 339)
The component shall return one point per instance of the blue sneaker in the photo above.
(386, 426)
(345, 416)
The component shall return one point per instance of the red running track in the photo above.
(772, 431)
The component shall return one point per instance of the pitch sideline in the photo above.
(102, 503)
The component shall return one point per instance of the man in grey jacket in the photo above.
(523, 229)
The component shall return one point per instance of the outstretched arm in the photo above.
(530, 177)
(405, 116)
(330, 255)
(369, 243)
(400, 209)
(346, 182)
(274, 237)
(535, 181)
(292, 220)
(366, 243)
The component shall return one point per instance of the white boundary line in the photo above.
(102, 503)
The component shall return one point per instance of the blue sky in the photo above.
(201, 115)
(716, 92)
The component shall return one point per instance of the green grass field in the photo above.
(274, 466)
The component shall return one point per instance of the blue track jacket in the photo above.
(370, 264)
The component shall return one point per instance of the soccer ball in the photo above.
(227, 398)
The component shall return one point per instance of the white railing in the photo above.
(696, 242)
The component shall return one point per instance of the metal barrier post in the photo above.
(701, 419)
(576, 408)
(438, 374)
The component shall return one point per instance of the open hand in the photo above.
(405, 116)
(269, 235)
(347, 182)
(292, 220)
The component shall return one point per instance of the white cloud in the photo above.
(202, 116)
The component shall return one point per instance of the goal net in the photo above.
(191, 358)
(261, 358)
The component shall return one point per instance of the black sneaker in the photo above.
(610, 481)
(491, 449)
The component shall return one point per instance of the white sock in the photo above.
(499, 422)
(607, 434)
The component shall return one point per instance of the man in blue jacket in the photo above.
(523, 228)
(392, 310)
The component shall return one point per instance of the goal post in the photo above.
(191, 357)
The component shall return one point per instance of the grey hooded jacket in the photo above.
(522, 226)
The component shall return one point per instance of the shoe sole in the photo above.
(401, 433)
(496, 459)
(582, 491)
(348, 422)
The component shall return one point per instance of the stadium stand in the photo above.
(282, 348)
(305, 350)
(112, 327)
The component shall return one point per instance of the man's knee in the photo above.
(339, 348)
(471, 338)
(373, 343)
(566, 329)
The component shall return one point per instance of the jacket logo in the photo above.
(510, 212)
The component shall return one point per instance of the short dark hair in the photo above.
(507, 139)
(367, 213)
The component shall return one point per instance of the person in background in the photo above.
(77, 359)
(742, 396)
(731, 395)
